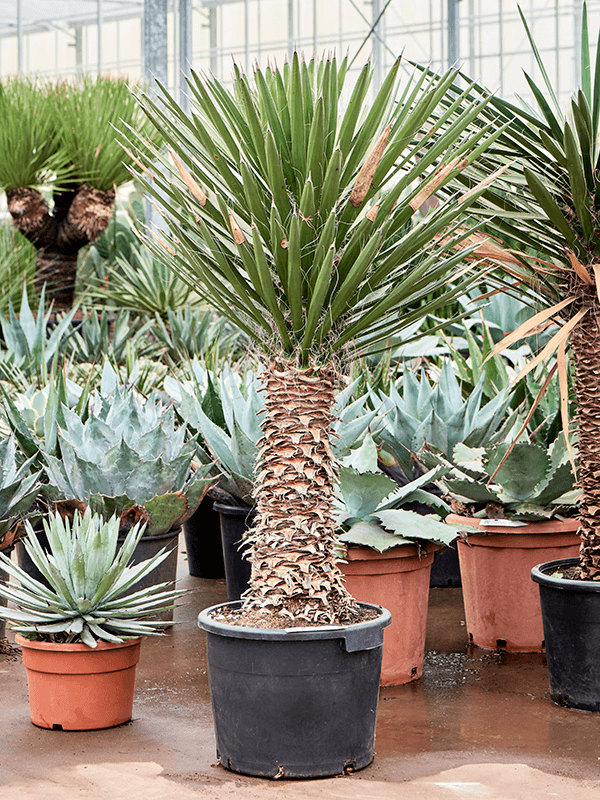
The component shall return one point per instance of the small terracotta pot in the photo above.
(502, 604)
(74, 687)
(397, 579)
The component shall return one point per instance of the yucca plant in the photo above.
(296, 216)
(548, 202)
(88, 598)
(63, 135)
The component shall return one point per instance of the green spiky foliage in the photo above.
(130, 459)
(19, 488)
(522, 481)
(89, 578)
(547, 204)
(30, 342)
(296, 216)
(63, 136)
(17, 266)
(422, 411)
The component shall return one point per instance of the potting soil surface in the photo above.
(478, 724)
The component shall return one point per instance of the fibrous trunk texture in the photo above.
(293, 557)
(78, 218)
(585, 342)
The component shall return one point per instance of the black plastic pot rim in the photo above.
(233, 511)
(172, 534)
(357, 636)
(540, 575)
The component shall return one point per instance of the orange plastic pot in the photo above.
(74, 687)
(397, 579)
(502, 604)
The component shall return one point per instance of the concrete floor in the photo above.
(477, 724)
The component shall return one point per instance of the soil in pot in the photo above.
(296, 702)
(571, 618)
(75, 687)
(502, 606)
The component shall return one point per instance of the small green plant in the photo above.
(371, 505)
(89, 579)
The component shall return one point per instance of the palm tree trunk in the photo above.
(585, 341)
(294, 569)
(78, 218)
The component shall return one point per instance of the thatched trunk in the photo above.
(294, 569)
(78, 218)
(585, 342)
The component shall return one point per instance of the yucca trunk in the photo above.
(294, 569)
(585, 342)
(78, 218)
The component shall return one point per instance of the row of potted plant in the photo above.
(299, 223)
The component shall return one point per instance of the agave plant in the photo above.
(30, 341)
(437, 414)
(299, 222)
(89, 578)
(555, 163)
(521, 481)
(19, 488)
(371, 504)
(130, 459)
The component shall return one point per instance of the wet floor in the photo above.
(471, 706)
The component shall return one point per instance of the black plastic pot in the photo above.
(149, 546)
(203, 546)
(235, 521)
(445, 570)
(294, 703)
(571, 617)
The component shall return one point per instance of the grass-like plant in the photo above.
(62, 136)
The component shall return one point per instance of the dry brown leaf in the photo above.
(189, 181)
(561, 363)
(581, 270)
(364, 179)
(528, 327)
(559, 338)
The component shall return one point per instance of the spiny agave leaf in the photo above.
(370, 534)
(410, 525)
(559, 482)
(362, 493)
(165, 511)
(474, 491)
(525, 468)
(364, 458)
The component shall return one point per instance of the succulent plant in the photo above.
(18, 492)
(129, 458)
(30, 342)
(371, 504)
(524, 482)
(438, 414)
(88, 578)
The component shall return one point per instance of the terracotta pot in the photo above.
(74, 687)
(397, 579)
(502, 605)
